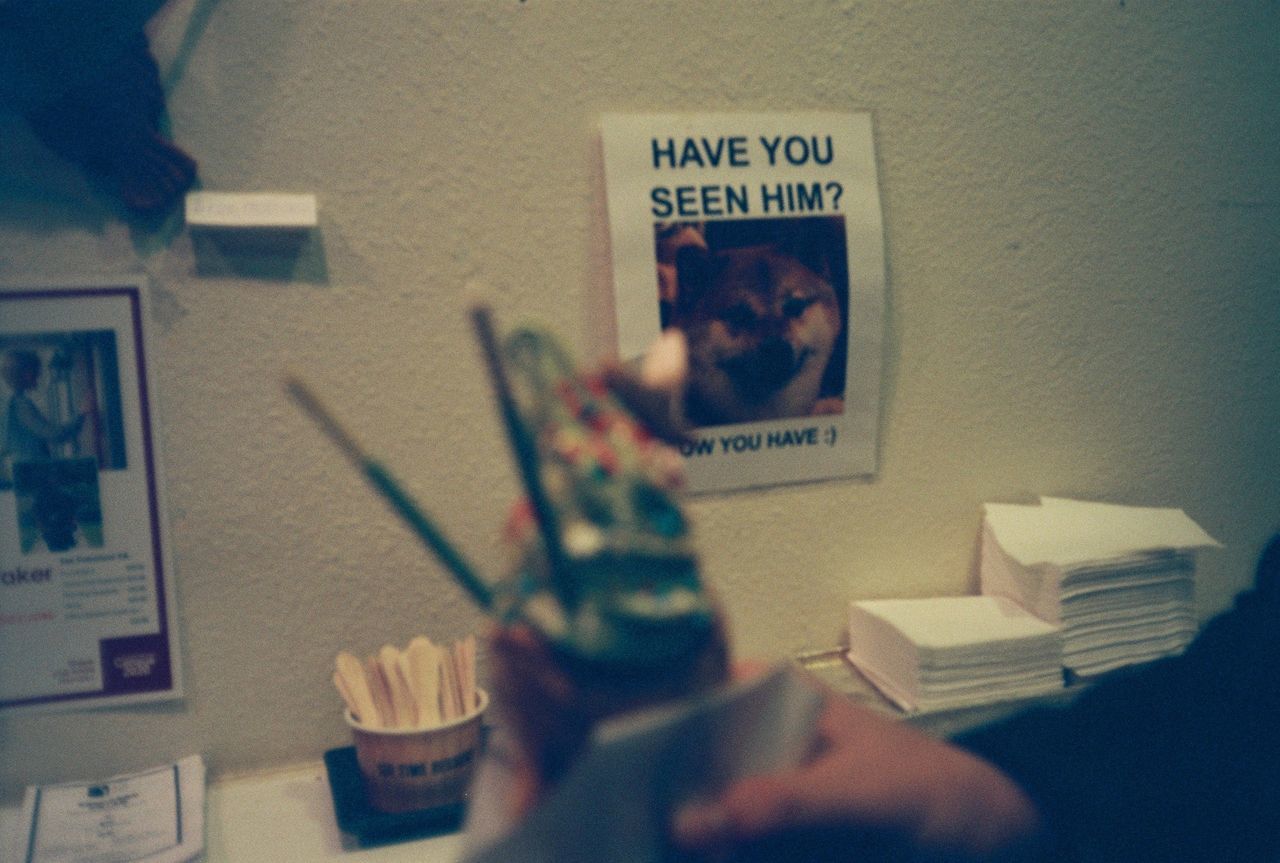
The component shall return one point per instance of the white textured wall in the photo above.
(1081, 204)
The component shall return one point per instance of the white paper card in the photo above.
(155, 815)
(614, 802)
(250, 210)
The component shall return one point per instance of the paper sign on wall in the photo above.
(86, 596)
(759, 236)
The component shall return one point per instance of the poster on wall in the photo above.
(759, 237)
(86, 586)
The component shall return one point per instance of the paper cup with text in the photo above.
(407, 769)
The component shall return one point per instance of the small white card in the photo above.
(250, 210)
(155, 815)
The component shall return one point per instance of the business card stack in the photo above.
(152, 816)
(956, 651)
(1119, 580)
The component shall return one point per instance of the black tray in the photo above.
(368, 825)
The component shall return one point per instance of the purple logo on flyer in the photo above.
(136, 663)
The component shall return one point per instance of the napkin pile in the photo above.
(1119, 580)
(945, 652)
(1068, 589)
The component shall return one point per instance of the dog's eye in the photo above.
(794, 307)
(739, 317)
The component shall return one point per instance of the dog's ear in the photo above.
(811, 252)
(813, 242)
(693, 276)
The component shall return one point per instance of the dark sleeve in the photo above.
(1175, 760)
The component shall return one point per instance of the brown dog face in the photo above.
(761, 327)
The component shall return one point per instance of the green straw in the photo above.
(526, 454)
(382, 480)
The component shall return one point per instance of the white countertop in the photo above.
(280, 817)
(288, 815)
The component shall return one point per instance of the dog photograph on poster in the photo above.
(763, 305)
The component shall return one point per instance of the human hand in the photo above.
(874, 785)
(551, 703)
(539, 702)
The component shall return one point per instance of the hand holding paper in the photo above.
(876, 789)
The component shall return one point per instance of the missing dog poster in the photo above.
(759, 237)
(86, 586)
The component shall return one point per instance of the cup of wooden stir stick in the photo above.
(416, 718)
(407, 769)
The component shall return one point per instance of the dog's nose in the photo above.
(776, 356)
(773, 366)
(759, 374)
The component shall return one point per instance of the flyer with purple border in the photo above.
(87, 614)
(759, 237)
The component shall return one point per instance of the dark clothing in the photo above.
(1175, 760)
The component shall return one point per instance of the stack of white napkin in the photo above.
(947, 652)
(1119, 580)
